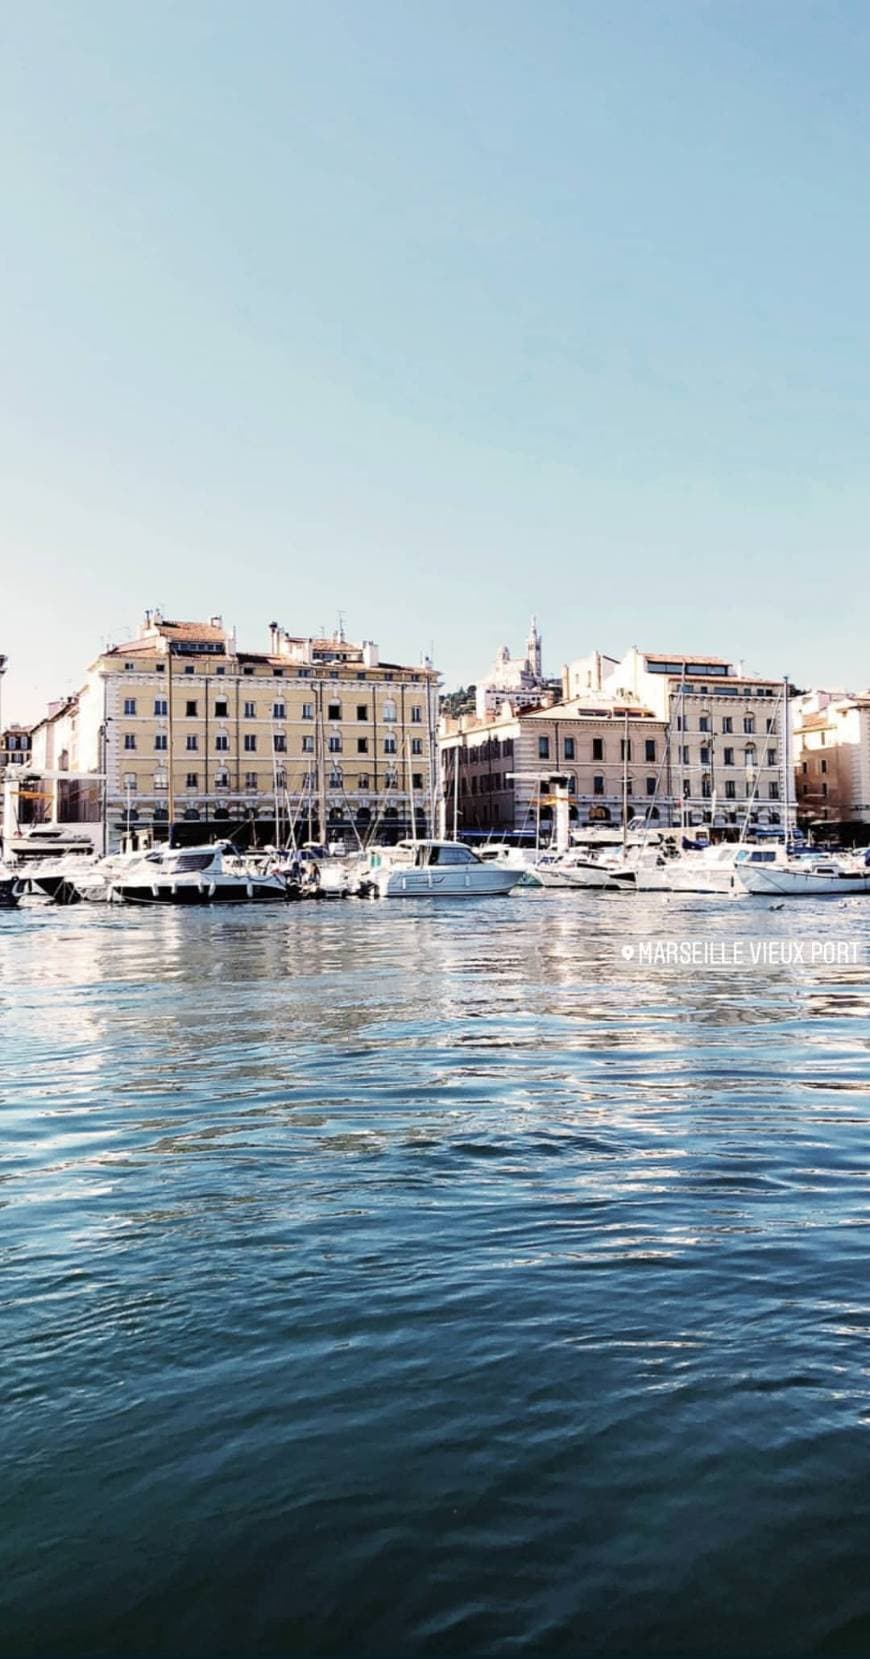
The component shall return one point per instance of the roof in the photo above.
(685, 656)
(211, 631)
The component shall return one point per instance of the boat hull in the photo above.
(796, 884)
(218, 892)
(446, 883)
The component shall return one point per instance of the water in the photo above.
(432, 1279)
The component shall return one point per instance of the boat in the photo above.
(709, 869)
(198, 875)
(435, 869)
(580, 868)
(804, 877)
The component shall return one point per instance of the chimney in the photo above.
(371, 655)
(274, 631)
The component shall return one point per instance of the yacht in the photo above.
(197, 875)
(435, 869)
(580, 868)
(806, 877)
(710, 869)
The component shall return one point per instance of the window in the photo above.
(416, 780)
(773, 791)
(687, 789)
(160, 741)
(333, 711)
(727, 724)
(771, 757)
(279, 743)
(728, 757)
(129, 780)
(190, 709)
(221, 709)
(280, 778)
(336, 778)
(222, 779)
(569, 748)
(730, 789)
(706, 788)
(749, 723)
(824, 789)
(161, 667)
(543, 748)
(161, 706)
(650, 786)
(389, 745)
(250, 711)
(129, 667)
(192, 741)
(598, 748)
(250, 743)
(362, 781)
(129, 705)
(161, 780)
(335, 744)
(220, 670)
(308, 745)
(250, 780)
(649, 748)
(681, 724)
(624, 749)
(247, 670)
(221, 743)
(190, 670)
(823, 765)
(279, 711)
(704, 723)
(362, 711)
(705, 755)
(129, 740)
(768, 725)
(597, 786)
(362, 745)
(416, 715)
(308, 711)
(749, 754)
(416, 745)
(686, 754)
(192, 781)
(388, 711)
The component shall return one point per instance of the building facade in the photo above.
(726, 758)
(188, 729)
(15, 746)
(495, 774)
(831, 731)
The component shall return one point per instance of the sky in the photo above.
(436, 314)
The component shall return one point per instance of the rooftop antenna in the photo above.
(340, 633)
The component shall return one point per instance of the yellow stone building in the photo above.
(188, 729)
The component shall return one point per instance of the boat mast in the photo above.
(625, 783)
(456, 793)
(788, 781)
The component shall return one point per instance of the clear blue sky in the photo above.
(437, 313)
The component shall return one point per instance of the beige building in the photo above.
(495, 773)
(831, 731)
(183, 727)
(726, 755)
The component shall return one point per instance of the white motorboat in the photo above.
(805, 877)
(580, 868)
(197, 875)
(435, 869)
(711, 869)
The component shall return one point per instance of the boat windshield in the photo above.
(192, 861)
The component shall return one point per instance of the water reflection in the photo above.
(435, 1278)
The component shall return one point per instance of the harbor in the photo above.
(448, 1276)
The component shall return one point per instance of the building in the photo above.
(495, 773)
(180, 726)
(15, 746)
(515, 681)
(726, 757)
(831, 747)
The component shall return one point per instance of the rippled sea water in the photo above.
(432, 1278)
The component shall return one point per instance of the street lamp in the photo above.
(3, 663)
